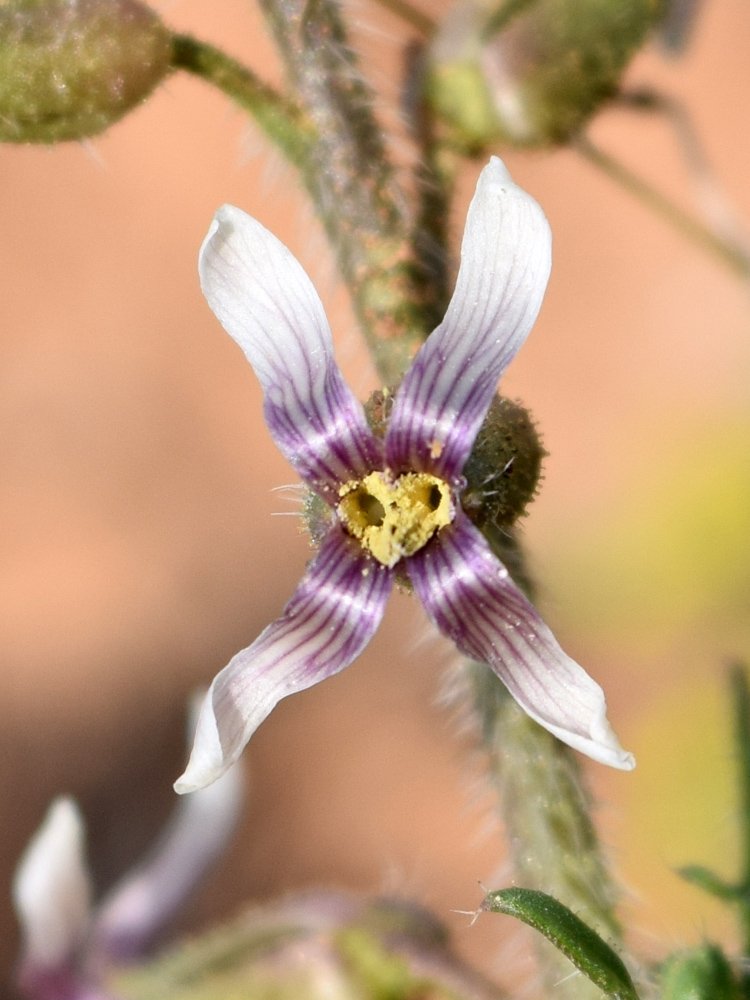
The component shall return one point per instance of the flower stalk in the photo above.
(280, 119)
(731, 255)
(545, 809)
(351, 180)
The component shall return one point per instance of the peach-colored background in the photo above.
(139, 550)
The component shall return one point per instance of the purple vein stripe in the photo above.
(332, 616)
(470, 597)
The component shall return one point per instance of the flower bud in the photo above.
(71, 68)
(325, 946)
(698, 974)
(535, 76)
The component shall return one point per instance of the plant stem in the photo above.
(732, 256)
(351, 181)
(546, 812)
(434, 180)
(280, 119)
(544, 806)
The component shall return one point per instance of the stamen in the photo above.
(395, 519)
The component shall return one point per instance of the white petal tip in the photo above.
(198, 775)
(207, 761)
(625, 761)
(601, 744)
(51, 889)
(497, 171)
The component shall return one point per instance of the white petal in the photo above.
(137, 908)
(505, 265)
(332, 616)
(267, 303)
(469, 595)
(52, 889)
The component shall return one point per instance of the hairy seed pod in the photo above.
(71, 68)
(503, 470)
(531, 72)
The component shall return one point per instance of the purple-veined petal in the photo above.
(330, 619)
(142, 903)
(470, 597)
(505, 264)
(52, 895)
(267, 303)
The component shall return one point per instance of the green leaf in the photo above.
(704, 878)
(590, 954)
(698, 974)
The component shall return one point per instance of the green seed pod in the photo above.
(698, 974)
(71, 68)
(325, 946)
(531, 72)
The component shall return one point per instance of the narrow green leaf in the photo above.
(705, 879)
(590, 954)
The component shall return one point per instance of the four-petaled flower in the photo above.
(395, 504)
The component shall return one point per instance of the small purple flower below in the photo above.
(394, 503)
(68, 946)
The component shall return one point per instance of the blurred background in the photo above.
(140, 548)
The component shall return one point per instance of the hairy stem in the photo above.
(281, 121)
(351, 181)
(434, 181)
(734, 257)
(546, 812)
(544, 806)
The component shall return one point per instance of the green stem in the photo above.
(732, 256)
(434, 182)
(351, 181)
(546, 813)
(281, 120)
(545, 808)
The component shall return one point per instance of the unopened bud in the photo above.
(71, 68)
(531, 73)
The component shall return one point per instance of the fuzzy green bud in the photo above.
(71, 68)
(325, 946)
(698, 974)
(503, 469)
(531, 72)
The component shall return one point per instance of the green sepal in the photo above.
(589, 953)
(698, 974)
(704, 878)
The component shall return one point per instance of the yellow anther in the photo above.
(393, 520)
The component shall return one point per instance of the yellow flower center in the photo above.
(393, 520)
